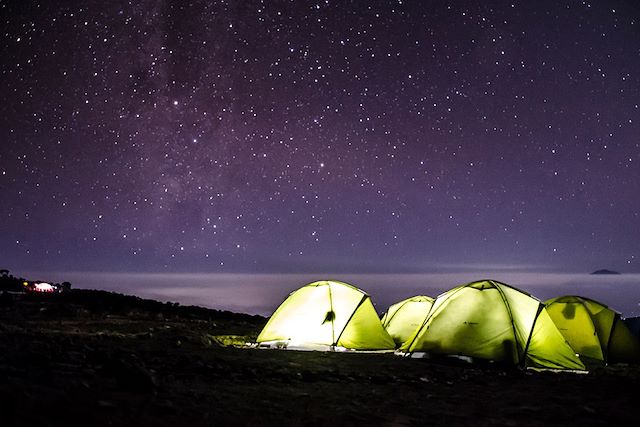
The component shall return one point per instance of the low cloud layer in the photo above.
(262, 293)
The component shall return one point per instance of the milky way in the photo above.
(278, 136)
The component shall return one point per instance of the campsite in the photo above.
(319, 213)
(99, 358)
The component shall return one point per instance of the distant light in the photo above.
(43, 287)
(175, 102)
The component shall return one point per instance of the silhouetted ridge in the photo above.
(98, 302)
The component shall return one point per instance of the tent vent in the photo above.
(329, 317)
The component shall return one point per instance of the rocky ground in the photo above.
(90, 358)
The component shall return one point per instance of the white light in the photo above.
(44, 287)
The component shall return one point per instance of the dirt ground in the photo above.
(92, 358)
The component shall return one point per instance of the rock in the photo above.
(605, 271)
(105, 404)
(6, 299)
(130, 374)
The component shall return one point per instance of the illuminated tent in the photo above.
(326, 315)
(594, 331)
(405, 317)
(493, 321)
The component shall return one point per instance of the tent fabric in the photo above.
(595, 332)
(324, 315)
(403, 318)
(494, 321)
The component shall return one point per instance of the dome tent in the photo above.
(403, 318)
(493, 321)
(326, 315)
(594, 331)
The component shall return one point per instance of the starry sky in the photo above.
(296, 136)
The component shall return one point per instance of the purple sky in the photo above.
(295, 136)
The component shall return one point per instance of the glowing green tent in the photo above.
(493, 321)
(405, 317)
(326, 315)
(594, 331)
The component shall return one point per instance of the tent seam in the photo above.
(394, 313)
(541, 307)
(513, 326)
(333, 316)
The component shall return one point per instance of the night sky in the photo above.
(296, 136)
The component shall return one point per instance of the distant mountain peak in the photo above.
(605, 271)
